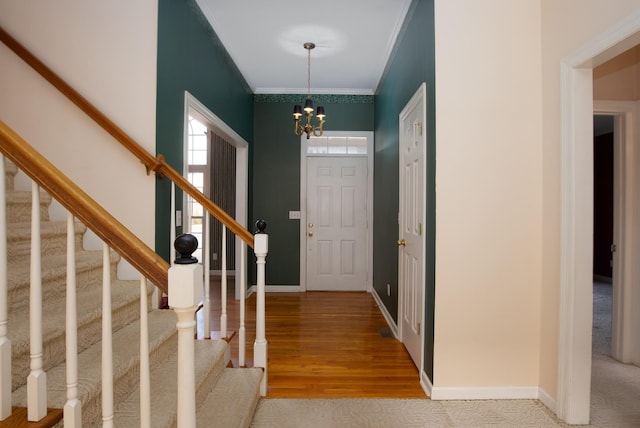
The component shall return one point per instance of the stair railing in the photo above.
(158, 165)
(79, 204)
(147, 262)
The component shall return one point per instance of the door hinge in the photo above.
(418, 329)
(420, 229)
(613, 248)
(418, 125)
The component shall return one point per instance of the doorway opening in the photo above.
(216, 162)
(603, 231)
(576, 302)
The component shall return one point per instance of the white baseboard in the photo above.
(387, 316)
(548, 400)
(426, 384)
(277, 289)
(482, 393)
(218, 272)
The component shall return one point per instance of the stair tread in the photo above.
(89, 300)
(22, 230)
(125, 350)
(233, 400)
(209, 355)
(51, 266)
(24, 196)
(10, 167)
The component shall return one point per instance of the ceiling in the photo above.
(354, 39)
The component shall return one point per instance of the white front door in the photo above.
(411, 279)
(337, 223)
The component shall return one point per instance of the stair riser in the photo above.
(125, 382)
(210, 364)
(9, 181)
(10, 171)
(203, 388)
(89, 332)
(54, 283)
(19, 208)
(19, 248)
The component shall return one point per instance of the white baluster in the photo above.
(261, 248)
(5, 343)
(107, 341)
(243, 291)
(185, 293)
(207, 276)
(223, 286)
(73, 406)
(37, 379)
(145, 376)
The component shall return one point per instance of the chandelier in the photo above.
(308, 128)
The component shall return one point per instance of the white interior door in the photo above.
(337, 223)
(411, 226)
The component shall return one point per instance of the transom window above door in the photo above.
(343, 146)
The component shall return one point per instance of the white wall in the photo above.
(498, 187)
(567, 26)
(619, 78)
(488, 198)
(106, 50)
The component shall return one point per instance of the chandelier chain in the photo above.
(308, 73)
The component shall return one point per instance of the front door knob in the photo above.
(402, 243)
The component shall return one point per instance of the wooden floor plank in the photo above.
(325, 345)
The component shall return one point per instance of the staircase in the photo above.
(225, 396)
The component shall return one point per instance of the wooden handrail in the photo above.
(85, 209)
(151, 163)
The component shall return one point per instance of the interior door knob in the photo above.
(402, 243)
(310, 234)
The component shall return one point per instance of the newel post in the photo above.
(185, 294)
(261, 248)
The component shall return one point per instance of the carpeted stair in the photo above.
(225, 397)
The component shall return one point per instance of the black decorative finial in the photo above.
(261, 225)
(185, 244)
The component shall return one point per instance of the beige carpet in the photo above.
(615, 387)
(390, 413)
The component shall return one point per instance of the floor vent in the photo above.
(385, 332)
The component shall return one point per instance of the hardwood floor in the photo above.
(325, 345)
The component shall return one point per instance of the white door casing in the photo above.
(576, 292)
(193, 105)
(337, 223)
(411, 221)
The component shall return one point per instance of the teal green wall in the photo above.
(191, 58)
(275, 181)
(411, 64)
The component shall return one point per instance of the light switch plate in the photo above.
(294, 215)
